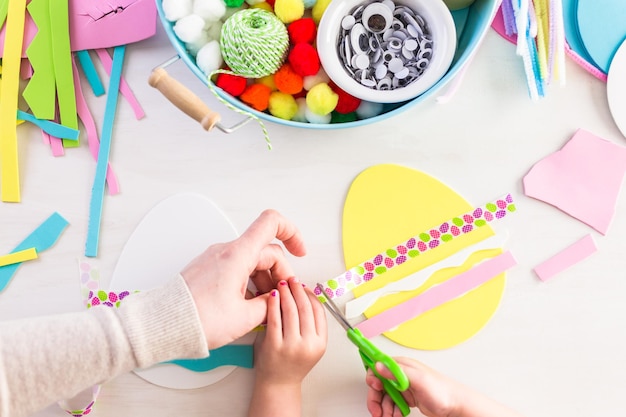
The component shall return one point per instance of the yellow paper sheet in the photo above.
(19, 256)
(387, 204)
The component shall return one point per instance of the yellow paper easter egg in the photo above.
(389, 204)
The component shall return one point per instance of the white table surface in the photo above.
(554, 348)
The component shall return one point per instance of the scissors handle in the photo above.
(388, 385)
(370, 354)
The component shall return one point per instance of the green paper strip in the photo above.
(40, 92)
(41, 239)
(4, 8)
(63, 72)
(89, 69)
(234, 355)
(51, 128)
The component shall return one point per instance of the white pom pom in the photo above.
(176, 9)
(311, 81)
(368, 109)
(194, 47)
(300, 115)
(209, 57)
(209, 10)
(214, 30)
(189, 28)
(317, 118)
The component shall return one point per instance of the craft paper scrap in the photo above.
(437, 295)
(92, 132)
(62, 58)
(234, 355)
(99, 24)
(19, 256)
(11, 61)
(568, 257)
(50, 127)
(583, 179)
(97, 192)
(357, 306)
(41, 239)
(40, 92)
(89, 69)
(602, 28)
(427, 240)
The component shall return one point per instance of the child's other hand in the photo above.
(294, 341)
(295, 337)
(433, 393)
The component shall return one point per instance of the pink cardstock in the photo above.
(569, 256)
(439, 294)
(583, 179)
(96, 24)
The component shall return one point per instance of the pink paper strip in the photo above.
(437, 295)
(128, 94)
(569, 256)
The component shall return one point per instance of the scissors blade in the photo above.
(334, 310)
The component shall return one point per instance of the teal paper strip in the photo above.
(90, 72)
(97, 191)
(41, 239)
(53, 129)
(234, 355)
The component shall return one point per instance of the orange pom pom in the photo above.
(287, 80)
(256, 96)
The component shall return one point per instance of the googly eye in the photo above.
(377, 17)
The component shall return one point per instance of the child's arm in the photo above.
(294, 340)
(433, 393)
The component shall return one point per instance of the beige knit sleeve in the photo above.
(48, 359)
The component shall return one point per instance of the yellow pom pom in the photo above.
(289, 10)
(262, 5)
(318, 10)
(282, 105)
(321, 99)
(268, 81)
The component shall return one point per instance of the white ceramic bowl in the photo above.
(438, 19)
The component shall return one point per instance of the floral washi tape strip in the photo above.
(92, 296)
(416, 245)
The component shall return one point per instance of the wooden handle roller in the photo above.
(183, 98)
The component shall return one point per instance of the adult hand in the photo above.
(218, 278)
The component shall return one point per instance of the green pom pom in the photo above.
(233, 3)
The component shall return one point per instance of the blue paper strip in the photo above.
(234, 355)
(97, 191)
(41, 239)
(53, 129)
(90, 72)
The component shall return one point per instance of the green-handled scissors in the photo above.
(370, 354)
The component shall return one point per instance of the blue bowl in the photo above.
(472, 23)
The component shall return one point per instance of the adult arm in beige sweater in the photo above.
(47, 359)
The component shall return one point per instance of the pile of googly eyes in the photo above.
(384, 46)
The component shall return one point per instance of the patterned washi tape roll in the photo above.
(416, 245)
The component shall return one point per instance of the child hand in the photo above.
(294, 341)
(431, 392)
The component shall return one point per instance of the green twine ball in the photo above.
(254, 43)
